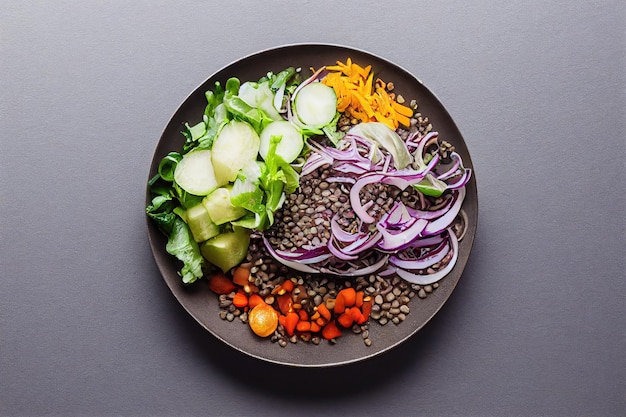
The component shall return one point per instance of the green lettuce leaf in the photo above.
(182, 245)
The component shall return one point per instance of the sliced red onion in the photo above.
(298, 266)
(303, 253)
(451, 171)
(347, 180)
(437, 276)
(421, 242)
(355, 199)
(431, 258)
(393, 241)
(316, 259)
(358, 272)
(462, 181)
(339, 233)
(365, 242)
(313, 162)
(430, 214)
(389, 270)
(438, 225)
(358, 168)
(399, 216)
(338, 253)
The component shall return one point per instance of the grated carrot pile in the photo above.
(359, 96)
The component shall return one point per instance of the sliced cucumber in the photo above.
(316, 104)
(289, 146)
(235, 146)
(259, 96)
(194, 173)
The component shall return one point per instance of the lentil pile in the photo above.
(304, 221)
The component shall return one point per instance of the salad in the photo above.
(311, 203)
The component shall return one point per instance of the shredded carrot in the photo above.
(364, 98)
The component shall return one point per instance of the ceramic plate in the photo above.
(202, 305)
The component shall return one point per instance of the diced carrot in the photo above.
(303, 315)
(221, 284)
(315, 327)
(321, 321)
(359, 299)
(241, 275)
(285, 303)
(356, 314)
(349, 296)
(282, 319)
(324, 312)
(254, 300)
(303, 326)
(241, 299)
(331, 331)
(287, 285)
(291, 321)
(345, 319)
(340, 305)
(366, 309)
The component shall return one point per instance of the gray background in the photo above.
(536, 325)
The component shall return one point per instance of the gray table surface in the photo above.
(536, 325)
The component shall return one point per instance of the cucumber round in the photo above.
(316, 104)
(236, 145)
(289, 146)
(194, 173)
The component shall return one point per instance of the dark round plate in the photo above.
(202, 305)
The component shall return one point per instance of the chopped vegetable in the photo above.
(195, 173)
(221, 284)
(235, 147)
(362, 98)
(263, 320)
(290, 145)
